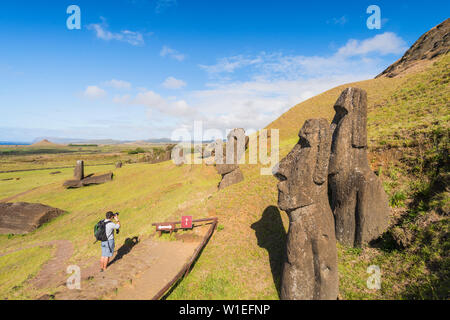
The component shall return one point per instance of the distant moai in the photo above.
(310, 268)
(79, 170)
(357, 198)
(227, 164)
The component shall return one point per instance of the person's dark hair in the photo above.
(109, 215)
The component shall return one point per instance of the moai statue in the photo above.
(79, 170)
(310, 267)
(228, 165)
(357, 198)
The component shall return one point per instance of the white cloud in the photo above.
(386, 43)
(118, 84)
(173, 107)
(250, 91)
(101, 31)
(122, 99)
(341, 21)
(94, 92)
(169, 52)
(229, 64)
(162, 5)
(173, 83)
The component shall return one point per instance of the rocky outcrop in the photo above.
(357, 198)
(310, 269)
(22, 217)
(227, 165)
(430, 45)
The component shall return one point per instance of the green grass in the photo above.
(17, 267)
(142, 193)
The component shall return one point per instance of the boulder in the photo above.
(79, 170)
(22, 217)
(310, 268)
(231, 178)
(357, 198)
(119, 164)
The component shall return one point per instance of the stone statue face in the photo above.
(349, 128)
(305, 167)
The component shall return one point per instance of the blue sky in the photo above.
(140, 69)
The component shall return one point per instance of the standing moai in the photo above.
(227, 165)
(310, 268)
(357, 198)
(79, 170)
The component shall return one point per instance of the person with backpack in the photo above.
(104, 232)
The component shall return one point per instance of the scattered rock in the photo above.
(310, 268)
(119, 164)
(55, 172)
(22, 217)
(357, 198)
(233, 177)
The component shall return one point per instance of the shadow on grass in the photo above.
(271, 236)
(125, 249)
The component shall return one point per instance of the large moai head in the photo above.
(349, 128)
(304, 170)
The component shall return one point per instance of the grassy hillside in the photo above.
(408, 144)
(142, 193)
(408, 141)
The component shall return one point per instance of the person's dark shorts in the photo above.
(107, 248)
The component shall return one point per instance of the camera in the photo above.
(117, 230)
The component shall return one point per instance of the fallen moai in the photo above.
(22, 217)
(86, 180)
(227, 164)
(92, 179)
(310, 267)
(358, 200)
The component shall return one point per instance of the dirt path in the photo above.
(137, 271)
(167, 260)
(53, 271)
(18, 195)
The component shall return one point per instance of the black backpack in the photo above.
(100, 230)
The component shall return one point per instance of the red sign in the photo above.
(186, 222)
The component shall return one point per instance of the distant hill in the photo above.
(430, 45)
(101, 141)
(45, 143)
